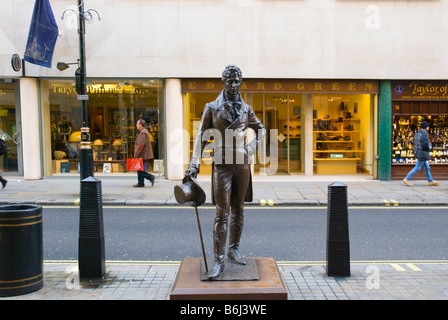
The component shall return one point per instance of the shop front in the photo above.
(313, 126)
(114, 106)
(10, 127)
(412, 103)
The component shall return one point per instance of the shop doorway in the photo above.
(281, 116)
(10, 127)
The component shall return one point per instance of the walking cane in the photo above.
(202, 242)
(190, 192)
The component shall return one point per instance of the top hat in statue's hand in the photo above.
(190, 192)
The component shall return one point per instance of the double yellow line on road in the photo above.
(117, 262)
(267, 205)
(388, 202)
(396, 264)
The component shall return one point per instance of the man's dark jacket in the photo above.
(421, 145)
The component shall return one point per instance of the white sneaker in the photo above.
(406, 182)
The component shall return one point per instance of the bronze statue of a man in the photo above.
(229, 118)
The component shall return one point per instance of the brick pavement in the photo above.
(281, 190)
(421, 280)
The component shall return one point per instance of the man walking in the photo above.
(421, 149)
(3, 182)
(143, 149)
(3, 151)
(229, 118)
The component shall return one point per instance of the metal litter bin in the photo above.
(21, 249)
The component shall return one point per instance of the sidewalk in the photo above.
(303, 281)
(278, 190)
(374, 280)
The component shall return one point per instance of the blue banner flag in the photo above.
(42, 36)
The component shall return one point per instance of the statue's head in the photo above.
(232, 79)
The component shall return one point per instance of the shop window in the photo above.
(280, 114)
(8, 127)
(114, 106)
(342, 133)
(404, 128)
(193, 109)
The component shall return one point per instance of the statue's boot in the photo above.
(217, 269)
(236, 228)
(234, 255)
(219, 243)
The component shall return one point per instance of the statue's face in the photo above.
(232, 84)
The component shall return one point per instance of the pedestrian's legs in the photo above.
(142, 175)
(427, 171)
(150, 177)
(3, 181)
(414, 170)
(147, 175)
(140, 179)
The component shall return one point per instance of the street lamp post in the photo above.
(91, 253)
(85, 152)
(86, 156)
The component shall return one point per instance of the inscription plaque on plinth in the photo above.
(189, 286)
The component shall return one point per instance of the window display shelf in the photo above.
(337, 145)
(336, 159)
(404, 129)
(336, 131)
(337, 151)
(336, 165)
(335, 141)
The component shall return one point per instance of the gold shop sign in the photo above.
(101, 89)
(419, 90)
(285, 85)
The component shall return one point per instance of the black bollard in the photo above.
(91, 252)
(338, 245)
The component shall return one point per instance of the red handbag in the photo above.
(134, 164)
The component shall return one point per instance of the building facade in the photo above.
(340, 85)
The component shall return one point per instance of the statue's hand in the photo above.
(192, 172)
(251, 148)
